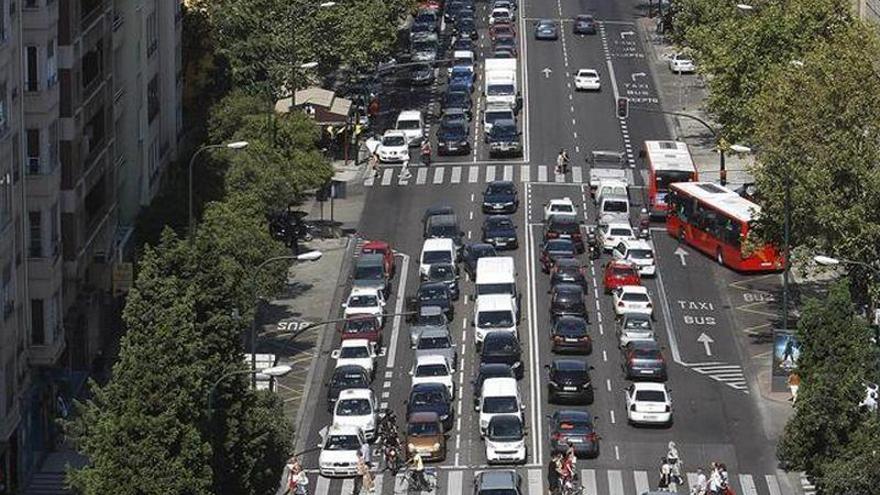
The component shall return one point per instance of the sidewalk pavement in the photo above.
(686, 93)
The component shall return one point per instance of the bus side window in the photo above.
(730, 231)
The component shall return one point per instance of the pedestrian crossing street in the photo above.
(729, 374)
(594, 482)
(473, 174)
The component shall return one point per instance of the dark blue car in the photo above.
(500, 231)
(431, 397)
(500, 196)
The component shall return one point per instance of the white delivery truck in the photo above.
(501, 85)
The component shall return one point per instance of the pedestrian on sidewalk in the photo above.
(794, 383)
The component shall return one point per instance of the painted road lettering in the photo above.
(691, 319)
(751, 297)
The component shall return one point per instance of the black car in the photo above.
(584, 24)
(446, 273)
(458, 99)
(421, 75)
(344, 377)
(431, 397)
(433, 211)
(504, 138)
(471, 253)
(486, 371)
(465, 27)
(502, 348)
(565, 227)
(500, 197)
(569, 271)
(500, 231)
(571, 334)
(444, 226)
(463, 44)
(567, 299)
(643, 360)
(575, 427)
(436, 294)
(556, 249)
(569, 381)
(453, 138)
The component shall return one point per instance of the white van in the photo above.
(438, 250)
(499, 396)
(497, 275)
(610, 187)
(413, 126)
(493, 313)
(613, 208)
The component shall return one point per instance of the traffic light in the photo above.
(622, 107)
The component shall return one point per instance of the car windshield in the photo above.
(647, 354)
(623, 271)
(505, 430)
(431, 257)
(616, 206)
(500, 89)
(434, 343)
(493, 115)
(431, 320)
(354, 353)
(565, 227)
(500, 188)
(570, 374)
(359, 325)
(348, 380)
(438, 293)
(363, 301)
(441, 272)
(423, 429)
(456, 97)
(503, 130)
(499, 223)
(373, 272)
(426, 398)
(562, 208)
(650, 396)
(393, 141)
(494, 319)
(487, 289)
(588, 73)
(431, 370)
(500, 405)
(635, 297)
(353, 407)
(572, 326)
(443, 231)
(620, 233)
(560, 246)
(641, 254)
(546, 25)
(342, 442)
(409, 124)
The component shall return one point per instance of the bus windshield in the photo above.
(666, 177)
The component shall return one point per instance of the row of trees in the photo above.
(799, 82)
(149, 430)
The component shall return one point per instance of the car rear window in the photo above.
(423, 429)
(574, 427)
(431, 370)
(635, 297)
(620, 271)
(433, 343)
(621, 232)
(650, 396)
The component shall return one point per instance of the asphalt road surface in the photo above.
(715, 415)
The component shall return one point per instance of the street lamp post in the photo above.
(236, 145)
(274, 372)
(309, 256)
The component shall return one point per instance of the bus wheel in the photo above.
(719, 257)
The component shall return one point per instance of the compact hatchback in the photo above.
(505, 440)
(425, 436)
(564, 227)
(569, 381)
(575, 427)
(571, 334)
(620, 273)
(567, 300)
(554, 250)
(643, 360)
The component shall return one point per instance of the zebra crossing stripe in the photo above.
(588, 482)
(747, 484)
(347, 485)
(773, 485)
(542, 173)
(454, 482)
(378, 480)
(692, 479)
(525, 173)
(323, 485)
(490, 173)
(559, 178)
(438, 175)
(456, 175)
(535, 481)
(386, 176)
(421, 176)
(577, 175)
(473, 173)
(615, 482)
(641, 479)
(508, 172)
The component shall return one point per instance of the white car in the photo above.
(639, 252)
(357, 407)
(500, 14)
(339, 451)
(681, 64)
(358, 352)
(560, 206)
(433, 368)
(632, 299)
(394, 147)
(505, 440)
(612, 234)
(648, 403)
(587, 80)
(365, 300)
(635, 327)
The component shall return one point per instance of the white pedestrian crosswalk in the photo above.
(472, 174)
(454, 481)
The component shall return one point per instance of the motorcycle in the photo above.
(593, 243)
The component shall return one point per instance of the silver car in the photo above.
(437, 341)
(429, 318)
(635, 327)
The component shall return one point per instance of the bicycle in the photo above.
(416, 485)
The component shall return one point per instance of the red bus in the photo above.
(716, 220)
(668, 162)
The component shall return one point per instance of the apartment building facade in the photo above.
(89, 120)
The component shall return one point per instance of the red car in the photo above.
(503, 29)
(383, 248)
(362, 326)
(620, 273)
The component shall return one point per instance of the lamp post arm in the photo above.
(220, 380)
(192, 161)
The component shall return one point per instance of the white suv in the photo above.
(433, 368)
(413, 126)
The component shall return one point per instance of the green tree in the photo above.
(835, 362)
(857, 470)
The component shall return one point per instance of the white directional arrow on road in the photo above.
(706, 340)
(624, 34)
(634, 75)
(547, 71)
(682, 254)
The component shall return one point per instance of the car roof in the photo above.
(497, 479)
(592, 71)
(505, 122)
(500, 385)
(567, 364)
(434, 332)
(432, 286)
(506, 418)
(563, 219)
(427, 387)
(349, 368)
(462, 54)
(423, 417)
(376, 244)
(393, 132)
(634, 288)
(438, 210)
(643, 344)
(499, 336)
(443, 219)
(637, 244)
(568, 263)
(619, 225)
(409, 115)
(364, 291)
(485, 368)
(649, 386)
(354, 343)
(356, 393)
(336, 429)
(499, 107)
(568, 287)
(494, 302)
(425, 359)
(624, 264)
(560, 201)
(437, 244)
(431, 310)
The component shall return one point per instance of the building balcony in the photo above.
(90, 12)
(42, 180)
(48, 354)
(43, 264)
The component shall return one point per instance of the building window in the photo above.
(52, 320)
(95, 201)
(35, 234)
(94, 133)
(152, 34)
(93, 65)
(153, 98)
(54, 231)
(32, 145)
(53, 146)
(51, 63)
(38, 322)
(31, 4)
(31, 74)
